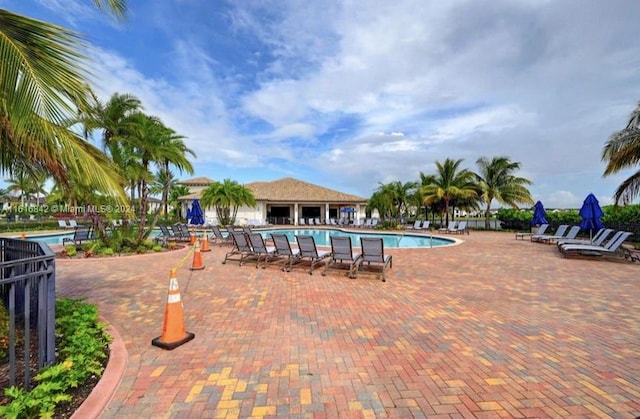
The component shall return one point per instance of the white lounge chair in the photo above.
(541, 230)
(598, 239)
(559, 233)
(608, 249)
(571, 234)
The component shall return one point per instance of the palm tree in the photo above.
(227, 197)
(622, 151)
(175, 193)
(448, 184)
(392, 198)
(496, 181)
(42, 88)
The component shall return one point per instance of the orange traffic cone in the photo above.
(204, 244)
(197, 264)
(173, 331)
(192, 238)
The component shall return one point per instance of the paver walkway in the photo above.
(494, 327)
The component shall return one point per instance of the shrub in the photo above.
(83, 348)
(157, 248)
(70, 249)
(107, 251)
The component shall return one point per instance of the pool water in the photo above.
(390, 240)
(321, 237)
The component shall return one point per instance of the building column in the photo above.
(295, 214)
(326, 213)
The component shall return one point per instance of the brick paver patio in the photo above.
(494, 327)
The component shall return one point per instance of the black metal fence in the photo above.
(27, 288)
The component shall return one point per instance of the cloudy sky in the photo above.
(348, 94)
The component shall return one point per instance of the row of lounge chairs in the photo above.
(248, 245)
(568, 244)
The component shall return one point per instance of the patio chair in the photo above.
(461, 228)
(241, 247)
(73, 224)
(417, 225)
(284, 250)
(63, 224)
(609, 249)
(598, 239)
(218, 237)
(559, 232)
(261, 250)
(373, 255)
(342, 256)
(571, 234)
(317, 220)
(450, 227)
(178, 233)
(301, 221)
(308, 250)
(426, 225)
(541, 230)
(82, 233)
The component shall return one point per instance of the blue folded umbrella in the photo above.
(539, 214)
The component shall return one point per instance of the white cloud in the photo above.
(332, 85)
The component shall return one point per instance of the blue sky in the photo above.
(348, 94)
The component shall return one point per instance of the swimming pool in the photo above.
(391, 240)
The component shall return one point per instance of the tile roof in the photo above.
(197, 181)
(292, 190)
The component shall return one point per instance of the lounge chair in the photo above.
(283, 249)
(559, 232)
(308, 250)
(82, 233)
(609, 249)
(301, 221)
(373, 255)
(73, 224)
(241, 247)
(417, 225)
(367, 223)
(598, 239)
(571, 234)
(450, 227)
(541, 230)
(426, 225)
(317, 220)
(63, 224)
(178, 233)
(342, 256)
(218, 237)
(461, 228)
(260, 249)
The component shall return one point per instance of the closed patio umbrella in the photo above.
(591, 214)
(197, 215)
(539, 215)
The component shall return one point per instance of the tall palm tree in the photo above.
(227, 197)
(622, 151)
(496, 181)
(449, 183)
(43, 85)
